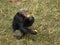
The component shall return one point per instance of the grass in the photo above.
(47, 22)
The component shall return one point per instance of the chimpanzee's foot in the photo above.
(34, 32)
(17, 34)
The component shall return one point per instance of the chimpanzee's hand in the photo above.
(31, 17)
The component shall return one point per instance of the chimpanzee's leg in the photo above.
(16, 32)
(31, 31)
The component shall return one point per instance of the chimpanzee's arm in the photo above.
(30, 21)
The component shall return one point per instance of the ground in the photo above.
(47, 22)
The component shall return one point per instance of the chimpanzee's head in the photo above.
(25, 12)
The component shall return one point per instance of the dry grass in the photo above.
(47, 22)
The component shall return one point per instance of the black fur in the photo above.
(21, 23)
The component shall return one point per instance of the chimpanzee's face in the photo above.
(26, 14)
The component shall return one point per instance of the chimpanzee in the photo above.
(22, 20)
